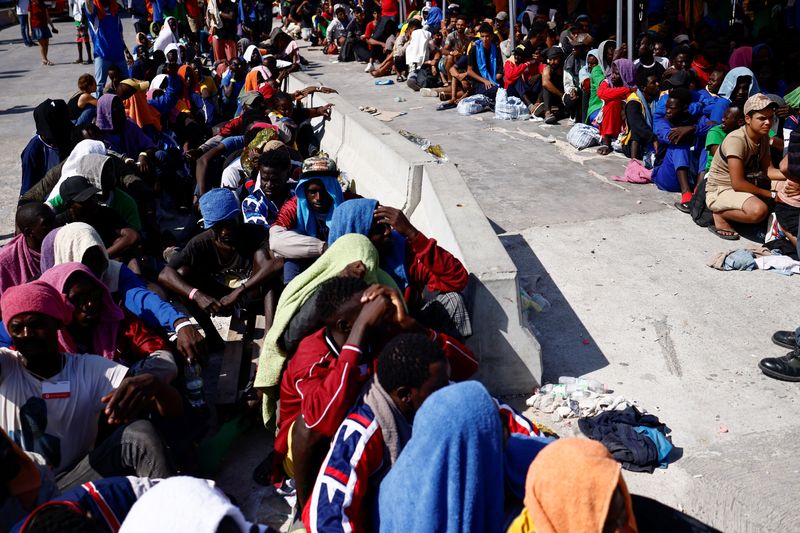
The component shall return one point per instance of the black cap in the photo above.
(77, 189)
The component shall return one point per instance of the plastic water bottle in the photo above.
(194, 385)
(581, 384)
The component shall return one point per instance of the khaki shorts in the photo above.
(725, 199)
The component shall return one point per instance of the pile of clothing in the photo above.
(773, 256)
(639, 441)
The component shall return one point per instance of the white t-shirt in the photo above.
(60, 429)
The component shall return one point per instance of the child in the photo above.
(676, 135)
(82, 37)
(733, 119)
(38, 21)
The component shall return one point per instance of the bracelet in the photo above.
(183, 325)
(192, 293)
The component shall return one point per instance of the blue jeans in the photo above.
(665, 175)
(293, 267)
(23, 26)
(101, 65)
(87, 116)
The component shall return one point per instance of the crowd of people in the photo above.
(180, 182)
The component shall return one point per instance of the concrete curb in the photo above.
(434, 196)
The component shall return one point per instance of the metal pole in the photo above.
(618, 36)
(630, 30)
(512, 21)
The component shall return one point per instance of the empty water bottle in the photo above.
(194, 385)
(581, 384)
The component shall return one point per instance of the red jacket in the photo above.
(322, 382)
(429, 265)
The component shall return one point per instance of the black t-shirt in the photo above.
(106, 222)
(228, 29)
(473, 59)
(201, 255)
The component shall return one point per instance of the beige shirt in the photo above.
(737, 144)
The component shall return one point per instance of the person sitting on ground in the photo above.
(323, 377)
(732, 193)
(553, 86)
(605, 54)
(672, 170)
(83, 104)
(63, 395)
(573, 64)
(485, 65)
(300, 232)
(646, 61)
(739, 84)
(99, 326)
(458, 471)
(640, 137)
(519, 77)
(226, 266)
(733, 120)
(51, 144)
(594, 481)
(79, 242)
(786, 218)
(418, 53)
(409, 369)
(415, 262)
(80, 199)
(337, 30)
(709, 95)
(271, 188)
(20, 257)
(121, 133)
(613, 91)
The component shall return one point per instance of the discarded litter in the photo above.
(424, 144)
(384, 82)
(399, 99)
(534, 301)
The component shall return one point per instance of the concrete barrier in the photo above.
(435, 197)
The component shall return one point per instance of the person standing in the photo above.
(22, 15)
(105, 29)
(40, 25)
(224, 41)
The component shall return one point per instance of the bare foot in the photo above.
(604, 150)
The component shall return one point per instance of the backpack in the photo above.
(426, 78)
(701, 214)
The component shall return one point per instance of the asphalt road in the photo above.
(633, 303)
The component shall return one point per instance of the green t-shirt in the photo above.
(714, 137)
(121, 202)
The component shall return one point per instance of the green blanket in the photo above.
(345, 250)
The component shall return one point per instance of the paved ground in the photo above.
(621, 267)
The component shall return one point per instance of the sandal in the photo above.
(445, 106)
(78, 62)
(726, 234)
(604, 150)
(683, 207)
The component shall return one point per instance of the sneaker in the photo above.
(427, 91)
(551, 119)
(774, 229)
(412, 84)
(369, 68)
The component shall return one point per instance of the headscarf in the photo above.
(35, 297)
(69, 243)
(185, 102)
(142, 113)
(253, 150)
(741, 57)
(449, 477)
(104, 120)
(18, 263)
(356, 216)
(166, 37)
(627, 71)
(248, 53)
(554, 52)
(170, 48)
(306, 219)
(91, 167)
(183, 503)
(601, 54)
(584, 73)
(574, 497)
(345, 250)
(156, 85)
(81, 150)
(104, 338)
(434, 20)
(218, 205)
(53, 125)
(244, 43)
(731, 81)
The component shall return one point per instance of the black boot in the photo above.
(787, 339)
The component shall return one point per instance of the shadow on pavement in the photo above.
(567, 347)
(17, 109)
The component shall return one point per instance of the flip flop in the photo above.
(445, 106)
(718, 232)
